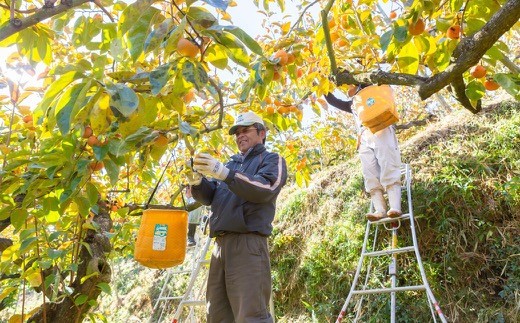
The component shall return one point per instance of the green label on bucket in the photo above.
(370, 102)
(159, 237)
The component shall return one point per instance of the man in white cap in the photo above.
(242, 194)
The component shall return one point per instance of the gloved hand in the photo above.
(194, 178)
(210, 167)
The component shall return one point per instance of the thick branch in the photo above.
(471, 49)
(39, 16)
(380, 77)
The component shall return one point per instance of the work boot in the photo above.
(191, 234)
(379, 204)
(394, 199)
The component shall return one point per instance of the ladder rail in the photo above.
(186, 298)
(417, 254)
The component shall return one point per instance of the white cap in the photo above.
(246, 119)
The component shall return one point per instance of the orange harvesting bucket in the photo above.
(376, 107)
(161, 240)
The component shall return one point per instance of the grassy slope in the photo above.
(466, 191)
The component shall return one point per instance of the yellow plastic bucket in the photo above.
(376, 107)
(161, 240)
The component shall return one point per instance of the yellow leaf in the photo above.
(34, 278)
(286, 27)
(226, 16)
(6, 292)
(16, 318)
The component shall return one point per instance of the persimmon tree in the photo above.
(128, 91)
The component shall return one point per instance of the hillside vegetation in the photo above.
(466, 201)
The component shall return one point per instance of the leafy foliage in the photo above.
(116, 68)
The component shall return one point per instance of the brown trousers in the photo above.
(239, 281)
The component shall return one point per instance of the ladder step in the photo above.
(404, 216)
(192, 302)
(169, 298)
(389, 251)
(389, 290)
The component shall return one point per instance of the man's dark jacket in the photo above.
(245, 201)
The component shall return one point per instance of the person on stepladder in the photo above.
(380, 160)
(194, 217)
(242, 194)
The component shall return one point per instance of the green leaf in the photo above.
(83, 205)
(215, 55)
(385, 39)
(170, 45)
(122, 99)
(242, 36)
(233, 46)
(81, 299)
(156, 37)
(58, 86)
(18, 217)
(202, 17)
(195, 74)
(159, 77)
(27, 244)
(401, 34)
(105, 288)
(220, 4)
(55, 253)
(112, 171)
(92, 193)
(65, 105)
(187, 129)
(510, 83)
(139, 31)
(475, 90)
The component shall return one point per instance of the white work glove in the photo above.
(210, 167)
(194, 178)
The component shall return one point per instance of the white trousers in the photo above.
(380, 159)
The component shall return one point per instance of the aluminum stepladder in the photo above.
(196, 265)
(394, 223)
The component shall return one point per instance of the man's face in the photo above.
(247, 137)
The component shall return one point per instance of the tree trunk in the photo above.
(67, 311)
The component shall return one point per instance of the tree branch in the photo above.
(39, 16)
(471, 49)
(468, 52)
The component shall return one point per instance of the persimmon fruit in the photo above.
(187, 48)
(93, 141)
(491, 85)
(416, 28)
(28, 118)
(282, 55)
(161, 141)
(87, 132)
(478, 71)
(96, 165)
(392, 14)
(453, 32)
